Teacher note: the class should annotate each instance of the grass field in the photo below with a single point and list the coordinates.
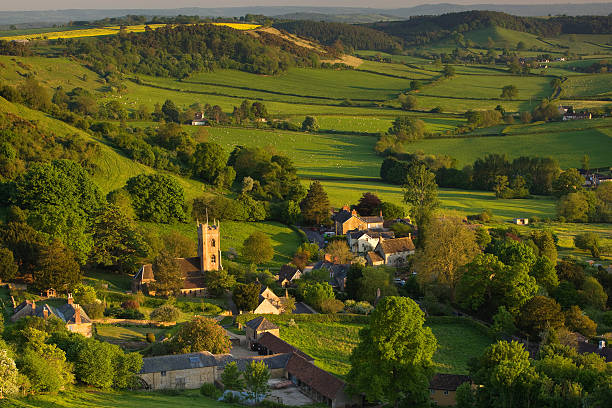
(126, 333)
(82, 397)
(331, 344)
(595, 86)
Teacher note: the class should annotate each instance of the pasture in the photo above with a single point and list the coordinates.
(79, 397)
(588, 86)
(331, 344)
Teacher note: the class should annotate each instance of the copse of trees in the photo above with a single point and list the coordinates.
(157, 198)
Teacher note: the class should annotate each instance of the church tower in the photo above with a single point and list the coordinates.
(209, 247)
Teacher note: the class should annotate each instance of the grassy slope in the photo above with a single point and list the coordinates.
(81, 397)
(332, 343)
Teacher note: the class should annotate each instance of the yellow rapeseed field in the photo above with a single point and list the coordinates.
(111, 30)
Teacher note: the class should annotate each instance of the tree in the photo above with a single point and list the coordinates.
(509, 92)
(570, 181)
(157, 198)
(415, 85)
(288, 304)
(545, 273)
(315, 293)
(539, 314)
(577, 321)
(246, 297)
(208, 162)
(555, 83)
(574, 207)
(56, 268)
(391, 211)
(339, 252)
(594, 293)
(219, 281)
(331, 306)
(9, 376)
(257, 248)
(310, 124)
(256, 376)
(375, 280)
(483, 238)
(84, 294)
(201, 334)
(406, 129)
(231, 377)
(178, 245)
(170, 111)
(421, 193)
(168, 276)
(588, 241)
(407, 102)
(546, 244)
(8, 267)
(165, 313)
(368, 204)
(393, 361)
(117, 242)
(315, 206)
(448, 246)
(501, 186)
(448, 71)
(503, 323)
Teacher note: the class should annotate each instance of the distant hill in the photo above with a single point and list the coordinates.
(339, 18)
(38, 18)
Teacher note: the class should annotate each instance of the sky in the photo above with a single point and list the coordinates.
(6, 5)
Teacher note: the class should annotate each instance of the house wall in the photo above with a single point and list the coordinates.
(375, 225)
(351, 224)
(343, 400)
(86, 329)
(442, 399)
(367, 244)
(397, 259)
(194, 378)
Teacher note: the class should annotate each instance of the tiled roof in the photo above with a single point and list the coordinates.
(277, 346)
(183, 362)
(396, 245)
(316, 378)
(372, 219)
(374, 257)
(448, 382)
(261, 323)
(287, 272)
(145, 273)
(188, 265)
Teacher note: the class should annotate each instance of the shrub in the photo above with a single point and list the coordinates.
(331, 306)
(165, 313)
(131, 304)
(150, 338)
(94, 310)
(210, 391)
(120, 313)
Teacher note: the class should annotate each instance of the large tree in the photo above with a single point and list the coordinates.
(8, 267)
(393, 361)
(9, 376)
(448, 246)
(157, 198)
(539, 314)
(168, 276)
(256, 377)
(257, 248)
(369, 204)
(315, 206)
(208, 162)
(57, 268)
(421, 193)
(375, 281)
(201, 334)
(246, 297)
(219, 281)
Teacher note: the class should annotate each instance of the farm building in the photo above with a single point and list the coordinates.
(443, 388)
(346, 220)
(391, 252)
(257, 327)
(521, 221)
(199, 119)
(288, 275)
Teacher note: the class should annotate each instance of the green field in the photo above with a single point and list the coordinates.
(126, 333)
(83, 397)
(331, 344)
(592, 86)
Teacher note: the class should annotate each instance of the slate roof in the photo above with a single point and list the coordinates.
(189, 268)
(145, 273)
(189, 265)
(65, 313)
(605, 352)
(183, 362)
(68, 311)
(372, 219)
(273, 361)
(448, 382)
(396, 245)
(287, 272)
(374, 257)
(277, 346)
(342, 216)
(261, 323)
(316, 378)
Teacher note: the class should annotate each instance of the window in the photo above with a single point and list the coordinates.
(445, 392)
(163, 373)
(213, 259)
(432, 392)
(212, 243)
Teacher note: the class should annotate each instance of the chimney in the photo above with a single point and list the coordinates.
(602, 344)
(380, 214)
(45, 313)
(77, 316)
(354, 212)
(346, 208)
(70, 299)
(328, 258)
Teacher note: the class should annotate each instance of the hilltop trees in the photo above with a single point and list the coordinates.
(393, 361)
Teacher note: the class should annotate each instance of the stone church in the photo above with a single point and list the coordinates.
(192, 269)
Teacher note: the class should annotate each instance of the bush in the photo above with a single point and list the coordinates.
(131, 304)
(165, 313)
(331, 306)
(210, 391)
(120, 313)
(94, 310)
(150, 338)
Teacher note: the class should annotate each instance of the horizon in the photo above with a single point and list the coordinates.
(42, 5)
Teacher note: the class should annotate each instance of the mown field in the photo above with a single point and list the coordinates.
(331, 344)
(82, 397)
